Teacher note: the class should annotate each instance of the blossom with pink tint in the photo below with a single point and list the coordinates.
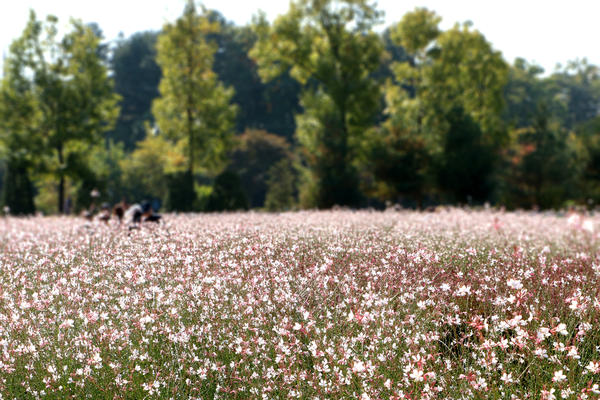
(559, 376)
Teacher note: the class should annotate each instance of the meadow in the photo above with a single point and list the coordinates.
(454, 304)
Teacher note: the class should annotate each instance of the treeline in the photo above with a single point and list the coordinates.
(313, 110)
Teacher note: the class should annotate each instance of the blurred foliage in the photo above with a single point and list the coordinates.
(281, 186)
(18, 188)
(194, 107)
(256, 153)
(136, 75)
(227, 193)
(329, 47)
(146, 169)
(65, 85)
(181, 193)
(315, 109)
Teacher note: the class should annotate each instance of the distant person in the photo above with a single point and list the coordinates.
(90, 212)
(104, 213)
(133, 214)
(68, 205)
(148, 213)
(119, 210)
(138, 213)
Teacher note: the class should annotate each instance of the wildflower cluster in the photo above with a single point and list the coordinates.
(394, 305)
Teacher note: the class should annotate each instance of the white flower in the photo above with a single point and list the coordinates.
(506, 378)
(358, 367)
(559, 376)
(562, 329)
(463, 291)
(67, 324)
(514, 284)
(588, 226)
(417, 375)
(593, 367)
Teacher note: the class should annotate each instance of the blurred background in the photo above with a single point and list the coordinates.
(308, 104)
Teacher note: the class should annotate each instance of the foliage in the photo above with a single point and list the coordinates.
(589, 140)
(400, 165)
(17, 191)
(266, 106)
(542, 170)
(281, 186)
(193, 107)
(443, 106)
(465, 166)
(145, 170)
(416, 115)
(68, 84)
(181, 194)
(330, 48)
(227, 193)
(523, 91)
(19, 143)
(136, 75)
(255, 154)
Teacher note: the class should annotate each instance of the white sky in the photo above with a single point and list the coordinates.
(541, 31)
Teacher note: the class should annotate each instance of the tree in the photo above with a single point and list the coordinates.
(447, 99)
(136, 76)
(18, 123)
(71, 91)
(589, 137)
(193, 106)
(267, 106)
(256, 153)
(524, 90)
(227, 193)
(281, 186)
(575, 92)
(464, 170)
(542, 166)
(150, 168)
(329, 47)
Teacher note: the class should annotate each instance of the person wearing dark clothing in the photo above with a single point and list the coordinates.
(149, 214)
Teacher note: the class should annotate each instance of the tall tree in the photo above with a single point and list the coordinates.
(136, 76)
(524, 90)
(256, 153)
(19, 119)
(193, 105)
(330, 48)
(542, 166)
(267, 106)
(452, 80)
(72, 92)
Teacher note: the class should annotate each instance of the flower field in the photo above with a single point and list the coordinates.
(311, 305)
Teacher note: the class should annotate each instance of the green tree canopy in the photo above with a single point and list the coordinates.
(193, 106)
(67, 83)
(136, 76)
(255, 154)
(445, 99)
(329, 47)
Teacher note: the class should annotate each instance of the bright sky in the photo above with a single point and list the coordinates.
(544, 32)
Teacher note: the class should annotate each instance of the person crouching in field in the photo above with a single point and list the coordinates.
(119, 210)
(138, 213)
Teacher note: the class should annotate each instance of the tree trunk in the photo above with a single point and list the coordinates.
(61, 182)
(190, 139)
